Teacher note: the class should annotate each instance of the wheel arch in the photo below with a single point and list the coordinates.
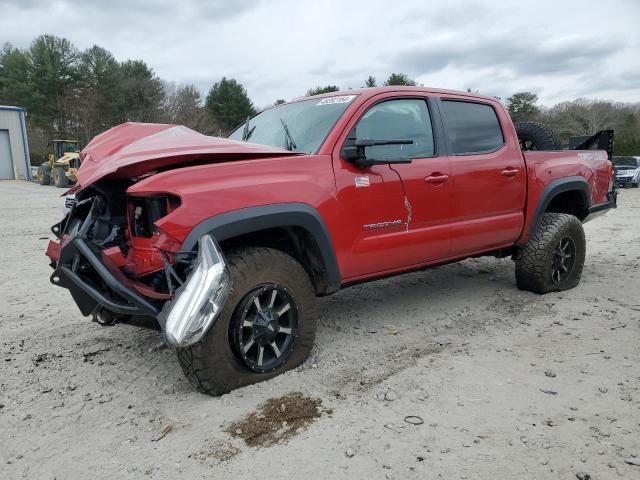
(295, 228)
(563, 195)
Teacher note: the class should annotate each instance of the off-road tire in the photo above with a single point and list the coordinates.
(534, 260)
(537, 136)
(211, 365)
(44, 174)
(634, 185)
(60, 177)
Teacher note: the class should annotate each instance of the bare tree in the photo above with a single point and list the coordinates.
(183, 106)
(82, 112)
(582, 116)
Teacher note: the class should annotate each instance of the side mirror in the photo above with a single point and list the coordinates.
(355, 151)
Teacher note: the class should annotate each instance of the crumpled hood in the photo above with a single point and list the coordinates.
(132, 149)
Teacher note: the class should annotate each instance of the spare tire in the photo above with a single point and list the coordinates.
(537, 136)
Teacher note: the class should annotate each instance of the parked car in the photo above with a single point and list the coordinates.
(627, 171)
(69, 202)
(224, 245)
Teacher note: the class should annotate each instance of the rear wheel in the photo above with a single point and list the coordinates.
(553, 258)
(44, 174)
(537, 136)
(266, 327)
(60, 179)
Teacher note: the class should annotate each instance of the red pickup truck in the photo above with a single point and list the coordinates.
(223, 244)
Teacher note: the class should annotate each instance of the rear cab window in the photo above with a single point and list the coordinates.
(471, 127)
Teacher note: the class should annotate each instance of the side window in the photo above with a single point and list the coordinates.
(471, 127)
(402, 119)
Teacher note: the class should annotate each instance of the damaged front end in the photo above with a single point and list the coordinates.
(121, 268)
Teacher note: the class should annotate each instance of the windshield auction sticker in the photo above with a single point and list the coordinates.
(337, 99)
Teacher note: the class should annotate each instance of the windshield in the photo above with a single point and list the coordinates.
(70, 147)
(299, 126)
(626, 161)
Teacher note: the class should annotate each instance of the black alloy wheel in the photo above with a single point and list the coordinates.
(265, 328)
(563, 260)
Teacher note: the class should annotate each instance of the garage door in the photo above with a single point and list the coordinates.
(6, 163)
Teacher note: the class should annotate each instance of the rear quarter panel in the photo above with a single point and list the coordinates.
(545, 167)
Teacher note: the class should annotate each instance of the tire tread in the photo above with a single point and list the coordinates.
(532, 260)
(542, 135)
(209, 366)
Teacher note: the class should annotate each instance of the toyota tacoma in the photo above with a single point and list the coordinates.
(223, 244)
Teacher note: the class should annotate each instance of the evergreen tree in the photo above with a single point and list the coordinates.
(229, 103)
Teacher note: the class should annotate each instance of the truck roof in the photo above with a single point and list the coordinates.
(372, 91)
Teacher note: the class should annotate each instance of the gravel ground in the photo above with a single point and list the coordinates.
(447, 373)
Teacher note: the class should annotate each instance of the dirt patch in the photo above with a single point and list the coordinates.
(217, 452)
(277, 420)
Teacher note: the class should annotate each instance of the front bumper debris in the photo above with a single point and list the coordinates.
(114, 295)
(198, 302)
(97, 285)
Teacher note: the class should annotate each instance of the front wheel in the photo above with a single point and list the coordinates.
(266, 327)
(553, 259)
(60, 179)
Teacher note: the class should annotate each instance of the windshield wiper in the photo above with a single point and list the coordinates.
(290, 144)
(247, 132)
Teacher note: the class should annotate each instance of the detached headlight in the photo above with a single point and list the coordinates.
(198, 302)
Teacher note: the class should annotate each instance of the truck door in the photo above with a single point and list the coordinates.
(426, 180)
(382, 208)
(372, 209)
(488, 187)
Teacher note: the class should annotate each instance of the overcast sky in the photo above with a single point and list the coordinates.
(559, 49)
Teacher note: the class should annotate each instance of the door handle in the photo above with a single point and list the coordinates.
(436, 178)
(509, 172)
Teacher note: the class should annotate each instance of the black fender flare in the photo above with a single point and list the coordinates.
(555, 188)
(254, 219)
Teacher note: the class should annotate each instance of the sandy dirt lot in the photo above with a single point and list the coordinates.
(446, 373)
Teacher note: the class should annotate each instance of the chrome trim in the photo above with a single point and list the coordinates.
(197, 303)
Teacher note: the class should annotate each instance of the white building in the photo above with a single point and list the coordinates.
(14, 150)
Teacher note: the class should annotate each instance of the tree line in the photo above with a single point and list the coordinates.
(69, 92)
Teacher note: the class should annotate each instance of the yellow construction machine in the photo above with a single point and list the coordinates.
(62, 164)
